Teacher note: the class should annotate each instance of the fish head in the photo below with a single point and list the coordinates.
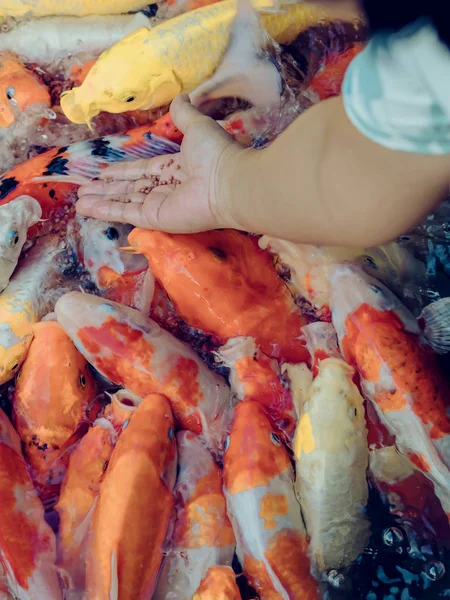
(254, 453)
(19, 88)
(126, 77)
(101, 243)
(16, 218)
(353, 290)
(15, 338)
(55, 387)
(123, 404)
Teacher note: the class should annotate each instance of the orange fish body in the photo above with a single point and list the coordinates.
(54, 397)
(378, 336)
(79, 492)
(131, 350)
(327, 82)
(220, 282)
(254, 376)
(19, 87)
(27, 544)
(65, 168)
(134, 507)
(203, 536)
(219, 584)
(259, 489)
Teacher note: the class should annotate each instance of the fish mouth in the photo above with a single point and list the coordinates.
(77, 112)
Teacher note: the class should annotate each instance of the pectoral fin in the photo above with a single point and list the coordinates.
(247, 70)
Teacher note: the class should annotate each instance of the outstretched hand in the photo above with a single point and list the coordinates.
(178, 193)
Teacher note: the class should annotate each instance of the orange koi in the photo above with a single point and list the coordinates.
(332, 457)
(53, 402)
(79, 492)
(129, 528)
(254, 376)
(20, 88)
(78, 73)
(219, 584)
(203, 536)
(327, 82)
(259, 489)
(399, 375)
(132, 350)
(221, 283)
(27, 544)
(52, 178)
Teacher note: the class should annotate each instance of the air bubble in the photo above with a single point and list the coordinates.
(393, 536)
(335, 578)
(434, 570)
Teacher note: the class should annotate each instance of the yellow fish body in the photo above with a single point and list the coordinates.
(148, 68)
(75, 8)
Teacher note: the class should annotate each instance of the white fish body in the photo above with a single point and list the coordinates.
(16, 218)
(51, 39)
(332, 457)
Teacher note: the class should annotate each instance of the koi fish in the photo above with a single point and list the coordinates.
(219, 584)
(380, 338)
(145, 71)
(129, 528)
(27, 544)
(306, 267)
(132, 350)
(30, 295)
(300, 380)
(202, 536)
(54, 398)
(19, 87)
(122, 406)
(256, 377)
(82, 8)
(15, 220)
(332, 456)
(221, 283)
(79, 492)
(327, 82)
(259, 490)
(52, 178)
(121, 276)
(51, 39)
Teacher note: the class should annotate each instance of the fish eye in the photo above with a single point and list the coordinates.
(82, 381)
(377, 289)
(15, 366)
(10, 92)
(217, 253)
(368, 260)
(130, 99)
(13, 238)
(171, 434)
(404, 238)
(112, 233)
(275, 439)
(226, 444)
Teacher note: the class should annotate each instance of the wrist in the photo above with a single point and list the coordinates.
(233, 188)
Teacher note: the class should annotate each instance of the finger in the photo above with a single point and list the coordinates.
(137, 169)
(184, 114)
(137, 214)
(92, 206)
(116, 188)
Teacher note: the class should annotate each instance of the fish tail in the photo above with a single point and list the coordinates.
(435, 323)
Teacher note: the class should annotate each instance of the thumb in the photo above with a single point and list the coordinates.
(184, 115)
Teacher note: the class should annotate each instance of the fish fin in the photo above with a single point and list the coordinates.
(435, 321)
(81, 162)
(246, 70)
(146, 293)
